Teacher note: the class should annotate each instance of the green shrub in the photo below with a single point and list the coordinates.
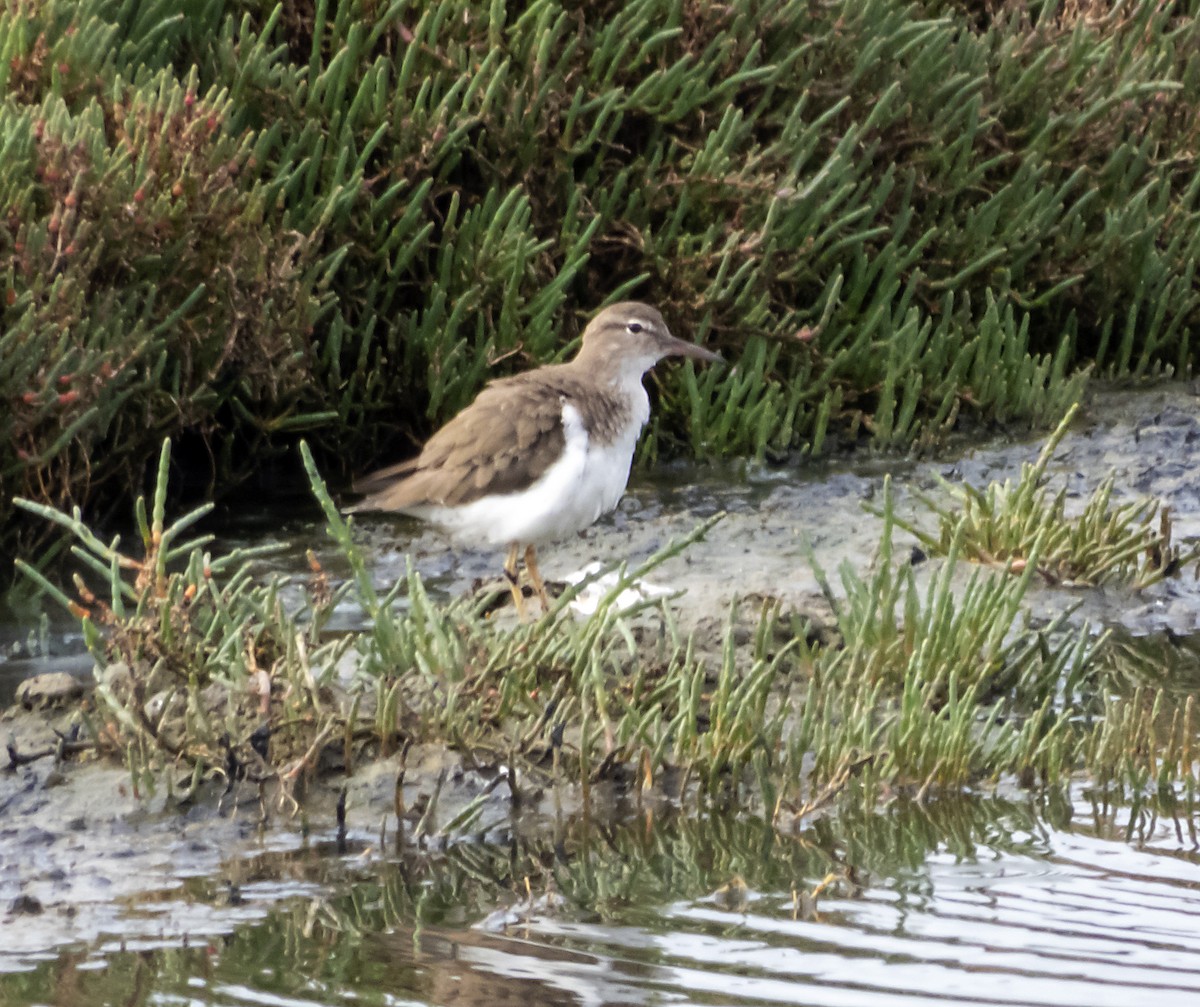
(891, 217)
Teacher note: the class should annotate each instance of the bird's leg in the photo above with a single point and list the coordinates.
(535, 575)
(514, 581)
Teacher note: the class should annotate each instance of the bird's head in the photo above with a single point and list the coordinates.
(635, 335)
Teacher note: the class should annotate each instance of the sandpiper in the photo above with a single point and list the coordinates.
(540, 455)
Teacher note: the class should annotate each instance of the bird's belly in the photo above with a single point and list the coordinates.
(605, 476)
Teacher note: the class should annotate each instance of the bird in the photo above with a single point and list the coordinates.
(539, 455)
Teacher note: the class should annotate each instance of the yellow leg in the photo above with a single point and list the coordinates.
(535, 575)
(510, 571)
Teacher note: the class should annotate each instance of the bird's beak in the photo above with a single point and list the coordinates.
(682, 348)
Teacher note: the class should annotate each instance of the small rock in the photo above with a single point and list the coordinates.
(55, 688)
(25, 905)
(117, 676)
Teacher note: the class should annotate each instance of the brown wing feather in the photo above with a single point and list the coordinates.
(500, 443)
(381, 479)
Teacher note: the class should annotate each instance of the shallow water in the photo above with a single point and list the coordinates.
(965, 901)
(972, 900)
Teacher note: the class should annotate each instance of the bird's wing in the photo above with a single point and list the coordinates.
(381, 479)
(501, 443)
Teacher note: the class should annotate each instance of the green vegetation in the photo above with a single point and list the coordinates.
(229, 222)
(928, 686)
(1012, 525)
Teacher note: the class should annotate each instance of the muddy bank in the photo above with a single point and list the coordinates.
(84, 857)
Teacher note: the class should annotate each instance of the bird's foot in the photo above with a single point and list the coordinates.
(535, 578)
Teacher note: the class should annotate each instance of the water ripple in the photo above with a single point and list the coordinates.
(1098, 923)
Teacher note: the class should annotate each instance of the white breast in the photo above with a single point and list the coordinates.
(586, 482)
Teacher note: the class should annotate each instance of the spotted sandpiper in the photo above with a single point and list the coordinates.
(540, 455)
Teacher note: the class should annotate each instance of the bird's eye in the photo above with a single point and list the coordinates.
(635, 327)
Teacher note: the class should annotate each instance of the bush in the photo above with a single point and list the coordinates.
(239, 220)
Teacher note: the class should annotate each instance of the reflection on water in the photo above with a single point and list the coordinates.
(964, 901)
(1163, 660)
